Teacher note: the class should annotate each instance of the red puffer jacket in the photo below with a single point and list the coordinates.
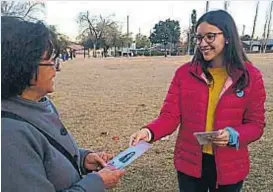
(186, 104)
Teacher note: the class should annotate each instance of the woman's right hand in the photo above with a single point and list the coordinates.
(110, 176)
(143, 134)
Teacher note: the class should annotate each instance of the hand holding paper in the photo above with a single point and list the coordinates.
(205, 137)
(129, 155)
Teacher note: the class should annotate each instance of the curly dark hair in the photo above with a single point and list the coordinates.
(22, 45)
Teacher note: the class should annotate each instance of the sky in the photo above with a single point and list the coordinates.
(143, 15)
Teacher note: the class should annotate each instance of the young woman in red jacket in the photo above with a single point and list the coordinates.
(219, 90)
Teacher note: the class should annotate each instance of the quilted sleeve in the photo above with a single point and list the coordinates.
(254, 117)
(169, 117)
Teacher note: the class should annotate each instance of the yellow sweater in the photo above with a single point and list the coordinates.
(219, 76)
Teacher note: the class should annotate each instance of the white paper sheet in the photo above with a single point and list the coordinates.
(126, 157)
(202, 137)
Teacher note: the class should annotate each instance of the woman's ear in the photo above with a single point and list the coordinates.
(226, 41)
(34, 79)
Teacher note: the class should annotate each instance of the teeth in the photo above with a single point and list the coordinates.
(206, 50)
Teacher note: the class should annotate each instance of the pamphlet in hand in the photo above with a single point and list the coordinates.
(126, 157)
(203, 137)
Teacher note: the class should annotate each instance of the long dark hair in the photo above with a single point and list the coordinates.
(23, 44)
(234, 55)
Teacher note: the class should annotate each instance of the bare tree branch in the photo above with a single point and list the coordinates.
(25, 10)
(94, 25)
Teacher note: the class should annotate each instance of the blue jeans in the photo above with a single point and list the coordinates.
(207, 182)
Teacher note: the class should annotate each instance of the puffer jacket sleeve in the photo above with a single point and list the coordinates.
(254, 117)
(169, 118)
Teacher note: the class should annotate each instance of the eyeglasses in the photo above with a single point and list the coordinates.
(48, 65)
(209, 37)
(50, 62)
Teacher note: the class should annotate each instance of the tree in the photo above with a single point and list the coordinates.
(142, 41)
(226, 5)
(110, 37)
(175, 31)
(59, 40)
(266, 28)
(269, 24)
(27, 9)
(254, 24)
(93, 27)
(165, 32)
(192, 32)
(125, 40)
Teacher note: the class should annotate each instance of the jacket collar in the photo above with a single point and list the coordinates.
(196, 70)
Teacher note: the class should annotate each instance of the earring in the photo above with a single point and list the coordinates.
(226, 42)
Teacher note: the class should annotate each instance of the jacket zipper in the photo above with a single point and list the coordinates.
(214, 147)
(205, 119)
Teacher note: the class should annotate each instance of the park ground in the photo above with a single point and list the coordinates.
(103, 101)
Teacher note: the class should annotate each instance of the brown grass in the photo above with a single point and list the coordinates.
(119, 95)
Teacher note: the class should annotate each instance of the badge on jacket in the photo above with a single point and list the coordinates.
(240, 93)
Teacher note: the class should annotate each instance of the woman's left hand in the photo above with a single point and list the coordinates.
(222, 139)
(96, 161)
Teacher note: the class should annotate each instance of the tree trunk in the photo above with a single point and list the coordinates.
(268, 25)
(207, 6)
(115, 51)
(264, 32)
(254, 24)
(94, 50)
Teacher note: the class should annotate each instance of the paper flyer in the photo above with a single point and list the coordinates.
(126, 157)
(202, 137)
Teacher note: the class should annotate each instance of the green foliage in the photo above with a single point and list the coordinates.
(153, 53)
(166, 32)
(192, 31)
(60, 40)
(142, 41)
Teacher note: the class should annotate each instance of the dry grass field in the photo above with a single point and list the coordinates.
(119, 95)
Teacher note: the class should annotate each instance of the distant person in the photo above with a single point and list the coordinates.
(38, 153)
(71, 54)
(58, 63)
(63, 55)
(219, 90)
(74, 53)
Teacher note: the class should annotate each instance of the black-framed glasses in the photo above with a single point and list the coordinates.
(50, 61)
(52, 56)
(209, 37)
(48, 65)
